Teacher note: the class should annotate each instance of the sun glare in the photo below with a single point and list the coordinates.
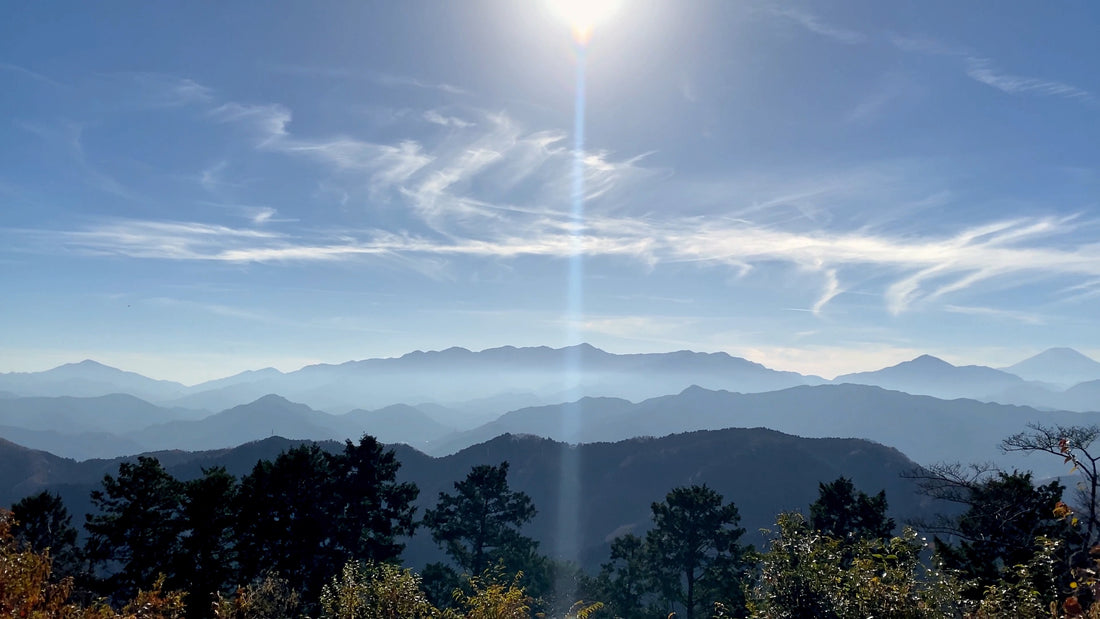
(583, 15)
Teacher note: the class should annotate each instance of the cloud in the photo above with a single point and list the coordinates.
(34, 75)
(495, 190)
(992, 312)
(982, 70)
(436, 118)
(816, 25)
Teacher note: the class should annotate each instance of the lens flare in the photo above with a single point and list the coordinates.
(583, 15)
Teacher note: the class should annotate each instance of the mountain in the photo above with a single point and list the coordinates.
(1084, 396)
(115, 413)
(88, 379)
(458, 375)
(268, 416)
(1061, 366)
(76, 445)
(928, 375)
(927, 429)
(399, 423)
(612, 484)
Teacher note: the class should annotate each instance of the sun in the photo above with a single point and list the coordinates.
(583, 15)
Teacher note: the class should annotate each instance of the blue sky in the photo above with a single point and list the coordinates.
(188, 190)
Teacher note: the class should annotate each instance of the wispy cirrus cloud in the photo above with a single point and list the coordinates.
(982, 70)
(28, 73)
(993, 312)
(459, 187)
(816, 25)
(924, 269)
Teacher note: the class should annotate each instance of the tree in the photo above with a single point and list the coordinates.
(45, 524)
(209, 551)
(694, 548)
(286, 520)
(375, 591)
(846, 514)
(480, 524)
(1074, 445)
(135, 535)
(624, 582)
(806, 573)
(1004, 518)
(374, 508)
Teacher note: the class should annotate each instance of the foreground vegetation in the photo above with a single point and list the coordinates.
(317, 534)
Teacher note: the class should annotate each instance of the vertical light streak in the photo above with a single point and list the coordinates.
(569, 493)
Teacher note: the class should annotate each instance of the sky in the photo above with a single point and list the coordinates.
(189, 190)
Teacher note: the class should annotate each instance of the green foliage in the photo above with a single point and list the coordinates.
(375, 591)
(493, 597)
(136, 532)
(842, 512)
(694, 554)
(479, 525)
(805, 573)
(307, 513)
(1006, 514)
(268, 597)
(625, 583)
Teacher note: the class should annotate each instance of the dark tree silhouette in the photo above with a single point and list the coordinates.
(479, 525)
(209, 550)
(135, 536)
(374, 510)
(844, 513)
(45, 524)
(694, 548)
(1004, 515)
(286, 518)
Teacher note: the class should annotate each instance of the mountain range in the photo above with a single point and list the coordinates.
(761, 471)
(475, 387)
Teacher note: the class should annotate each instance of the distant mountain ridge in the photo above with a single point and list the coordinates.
(1061, 366)
(761, 471)
(927, 429)
(453, 375)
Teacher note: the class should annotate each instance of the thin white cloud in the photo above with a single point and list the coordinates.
(401, 80)
(993, 312)
(982, 70)
(458, 189)
(437, 118)
(815, 24)
(34, 75)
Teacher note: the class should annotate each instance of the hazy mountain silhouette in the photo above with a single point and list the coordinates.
(117, 413)
(762, 471)
(928, 375)
(1061, 366)
(459, 378)
(88, 379)
(270, 415)
(926, 428)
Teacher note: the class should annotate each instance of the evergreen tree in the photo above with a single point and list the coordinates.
(479, 525)
(208, 564)
(625, 582)
(844, 513)
(45, 524)
(286, 520)
(694, 550)
(135, 535)
(374, 510)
